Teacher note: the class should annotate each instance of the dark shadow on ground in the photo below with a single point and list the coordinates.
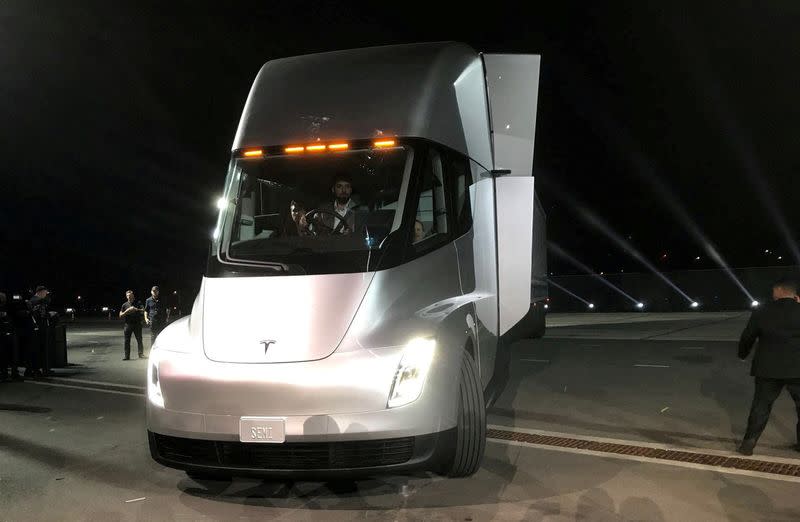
(24, 408)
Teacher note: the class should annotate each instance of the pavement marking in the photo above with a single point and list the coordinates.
(99, 383)
(693, 347)
(135, 500)
(101, 390)
(721, 461)
(651, 365)
(536, 360)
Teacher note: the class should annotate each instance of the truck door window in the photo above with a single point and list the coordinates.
(431, 226)
(459, 173)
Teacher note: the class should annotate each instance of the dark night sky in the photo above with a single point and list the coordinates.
(117, 124)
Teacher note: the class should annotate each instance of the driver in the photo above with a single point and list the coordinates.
(341, 206)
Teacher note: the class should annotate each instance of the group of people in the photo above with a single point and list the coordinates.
(331, 217)
(26, 334)
(154, 314)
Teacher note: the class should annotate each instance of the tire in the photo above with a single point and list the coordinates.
(471, 426)
(539, 323)
(206, 476)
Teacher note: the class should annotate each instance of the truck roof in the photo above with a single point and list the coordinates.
(435, 91)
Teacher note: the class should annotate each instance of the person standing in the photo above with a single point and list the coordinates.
(8, 359)
(131, 311)
(155, 315)
(39, 351)
(776, 363)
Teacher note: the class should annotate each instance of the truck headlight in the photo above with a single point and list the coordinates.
(153, 381)
(411, 372)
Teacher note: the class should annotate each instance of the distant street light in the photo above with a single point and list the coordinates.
(591, 306)
(639, 305)
(695, 304)
(754, 304)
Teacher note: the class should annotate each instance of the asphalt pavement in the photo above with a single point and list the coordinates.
(75, 448)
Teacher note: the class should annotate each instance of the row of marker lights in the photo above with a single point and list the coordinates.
(640, 306)
(255, 153)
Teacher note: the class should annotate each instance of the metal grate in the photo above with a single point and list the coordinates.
(776, 468)
(289, 455)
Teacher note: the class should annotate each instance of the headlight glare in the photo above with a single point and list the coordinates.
(411, 372)
(153, 382)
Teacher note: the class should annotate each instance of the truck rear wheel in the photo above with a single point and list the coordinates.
(539, 323)
(471, 427)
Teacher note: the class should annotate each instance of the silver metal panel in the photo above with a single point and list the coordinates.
(513, 86)
(279, 319)
(429, 90)
(484, 265)
(342, 396)
(514, 246)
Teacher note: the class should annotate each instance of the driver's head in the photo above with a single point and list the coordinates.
(342, 188)
(298, 212)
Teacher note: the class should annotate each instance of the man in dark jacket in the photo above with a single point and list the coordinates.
(131, 312)
(776, 362)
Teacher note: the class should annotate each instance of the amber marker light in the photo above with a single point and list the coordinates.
(338, 146)
(292, 150)
(384, 143)
(315, 148)
(253, 153)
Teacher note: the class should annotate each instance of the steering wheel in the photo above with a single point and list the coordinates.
(312, 214)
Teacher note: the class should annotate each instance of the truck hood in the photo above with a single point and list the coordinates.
(279, 319)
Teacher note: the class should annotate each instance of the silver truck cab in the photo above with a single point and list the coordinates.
(371, 255)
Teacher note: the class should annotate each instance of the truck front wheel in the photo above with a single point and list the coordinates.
(471, 427)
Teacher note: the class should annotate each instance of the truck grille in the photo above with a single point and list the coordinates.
(286, 456)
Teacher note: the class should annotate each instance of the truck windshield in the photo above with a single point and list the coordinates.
(312, 213)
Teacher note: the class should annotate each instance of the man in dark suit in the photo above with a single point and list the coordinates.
(336, 217)
(776, 362)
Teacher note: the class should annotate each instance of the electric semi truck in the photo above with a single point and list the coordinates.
(371, 263)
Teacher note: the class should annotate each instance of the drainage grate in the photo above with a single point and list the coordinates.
(776, 468)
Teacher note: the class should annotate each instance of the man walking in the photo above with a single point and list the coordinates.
(776, 362)
(155, 315)
(131, 311)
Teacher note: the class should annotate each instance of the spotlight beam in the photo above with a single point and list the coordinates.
(572, 260)
(741, 144)
(579, 298)
(643, 166)
(596, 222)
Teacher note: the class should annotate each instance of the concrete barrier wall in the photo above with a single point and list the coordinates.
(713, 289)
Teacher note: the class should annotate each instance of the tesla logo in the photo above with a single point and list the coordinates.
(266, 345)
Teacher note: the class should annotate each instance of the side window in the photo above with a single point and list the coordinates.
(431, 225)
(461, 177)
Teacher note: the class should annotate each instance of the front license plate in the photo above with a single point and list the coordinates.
(262, 429)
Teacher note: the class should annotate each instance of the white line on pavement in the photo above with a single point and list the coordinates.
(643, 444)
(651, 366)
(715, 469)
(629, 442)
(115, 392)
